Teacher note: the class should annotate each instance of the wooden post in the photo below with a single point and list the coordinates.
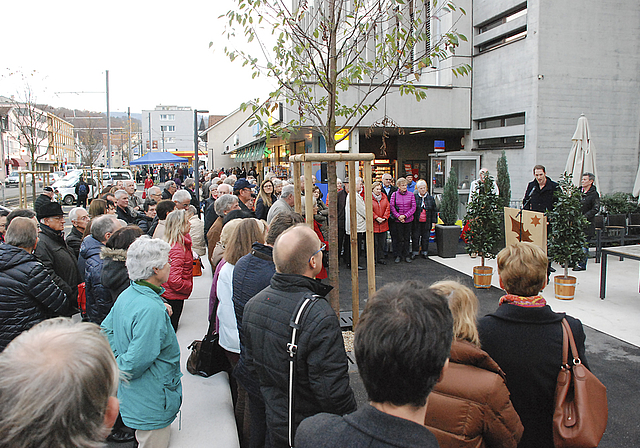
(353, 229)
(295, 175)
(368, 200)
(308, 194)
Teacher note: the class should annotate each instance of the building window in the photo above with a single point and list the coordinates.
(516, 142)
(504, 40)
(506, 18)
(168, 128)
(511, 32)
(168, 117)
(499, 122)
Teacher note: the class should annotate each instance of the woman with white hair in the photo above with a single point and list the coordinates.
(424, 217)
(180, 283)
(145, 346)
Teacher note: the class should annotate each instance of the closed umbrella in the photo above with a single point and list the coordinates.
(636, 185)
(582, 158)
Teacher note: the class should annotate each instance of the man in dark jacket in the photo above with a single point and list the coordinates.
(53, 252)
(251, 274)
(590, 203)
(44, 198)
(402, 345)
(99, 301)
(29, 293)
(321, 372)
(82, 192)
(539, 194)
(122, 207)
(169, 188)
(79, 220)
(243, 189)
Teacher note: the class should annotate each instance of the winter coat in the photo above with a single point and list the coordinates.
(403, 204)
(540, 199)
(527, 344)
(99, 300)
(427, 203)
(251, 275)
(115, 276)
(213, 236)
(29, 294)
(262, 209)
(278, 207)
(210, 215)
(126, 215)
(381, 209)
(197, 236)
(342, 203)
(590, 203)
(144, 222)
(53, 252)
(180, 283)
(361, 215)
(227, 325)
(146, 348)
(365, 428)
(322, 378)
(74, 241)
(159, 231)
(322, 217)
(470, 406)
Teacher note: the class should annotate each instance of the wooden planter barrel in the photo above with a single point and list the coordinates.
(564, 287)
(482, 276)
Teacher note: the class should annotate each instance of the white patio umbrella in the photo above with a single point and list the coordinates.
(636, 185)
(582, 158)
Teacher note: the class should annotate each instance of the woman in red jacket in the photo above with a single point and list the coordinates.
(470, 406)
(180, 283)
(381, 212)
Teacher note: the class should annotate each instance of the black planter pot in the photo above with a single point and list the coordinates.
(447, 240)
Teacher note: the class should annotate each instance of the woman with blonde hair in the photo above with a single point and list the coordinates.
(239, 243)
(470, 406)
(266, 198)
(180, 284)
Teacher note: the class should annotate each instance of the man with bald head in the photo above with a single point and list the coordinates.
(321, 374)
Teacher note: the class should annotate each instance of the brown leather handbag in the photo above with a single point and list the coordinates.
(581, 411)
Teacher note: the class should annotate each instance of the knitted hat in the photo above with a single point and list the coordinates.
(50, 209)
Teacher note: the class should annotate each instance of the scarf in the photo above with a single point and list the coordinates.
(526, 302)
(377, 197)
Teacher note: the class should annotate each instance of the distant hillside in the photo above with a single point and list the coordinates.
(118, 119)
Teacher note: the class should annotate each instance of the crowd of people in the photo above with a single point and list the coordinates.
(127, 266)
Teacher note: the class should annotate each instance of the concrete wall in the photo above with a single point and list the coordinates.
(590, 59)
(183, 135)
(221, 132)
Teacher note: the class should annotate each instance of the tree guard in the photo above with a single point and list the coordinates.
(351, 159)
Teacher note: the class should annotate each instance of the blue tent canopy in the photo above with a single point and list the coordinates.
(151, 158)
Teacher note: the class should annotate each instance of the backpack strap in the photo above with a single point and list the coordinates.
(298, 316)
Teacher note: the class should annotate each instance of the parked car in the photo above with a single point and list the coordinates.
(111, 176)
(12, 179)
(67, 188)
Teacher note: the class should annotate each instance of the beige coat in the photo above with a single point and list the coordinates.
(198, 243)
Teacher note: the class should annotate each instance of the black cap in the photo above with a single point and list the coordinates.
(50, 209)
(241, 184)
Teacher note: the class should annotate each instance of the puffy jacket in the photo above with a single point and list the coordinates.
(403, 204)
(29, 294)
(427, 203)
(53, 252)
(381, 210)
(146, 348)
(322, 378)
(251, 275)
(115, 276)
(145, 222)
(361, 215)
(180, 283)
(198, 243)
(470, 406)
(99, 299)
(227, 326)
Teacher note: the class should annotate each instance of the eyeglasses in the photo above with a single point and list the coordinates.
(318, 251)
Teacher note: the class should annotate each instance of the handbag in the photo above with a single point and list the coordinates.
(581, 412)
(197, 267)
(207, 357)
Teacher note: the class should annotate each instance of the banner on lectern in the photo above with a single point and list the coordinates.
(532, 227)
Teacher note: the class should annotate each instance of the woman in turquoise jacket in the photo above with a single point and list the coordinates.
(146, 348)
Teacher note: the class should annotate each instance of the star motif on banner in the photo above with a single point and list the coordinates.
(535, 221)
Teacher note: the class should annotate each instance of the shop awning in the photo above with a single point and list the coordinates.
(253, 153)
(16, 163)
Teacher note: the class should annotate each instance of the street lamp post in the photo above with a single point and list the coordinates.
(196, 170)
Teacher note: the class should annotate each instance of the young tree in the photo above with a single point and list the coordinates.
(90, 140)
(334, 61)
(504, 180)
(567, 239)
(484, 214)
(449, 203)
(30, 119)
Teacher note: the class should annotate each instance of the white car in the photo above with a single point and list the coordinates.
(67, 187)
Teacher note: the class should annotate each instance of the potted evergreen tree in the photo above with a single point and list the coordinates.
(567, 239)
(503, 180)
(484, 218)
(448, 233)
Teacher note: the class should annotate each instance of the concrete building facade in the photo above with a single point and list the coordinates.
(537, 66)
(171, 129)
